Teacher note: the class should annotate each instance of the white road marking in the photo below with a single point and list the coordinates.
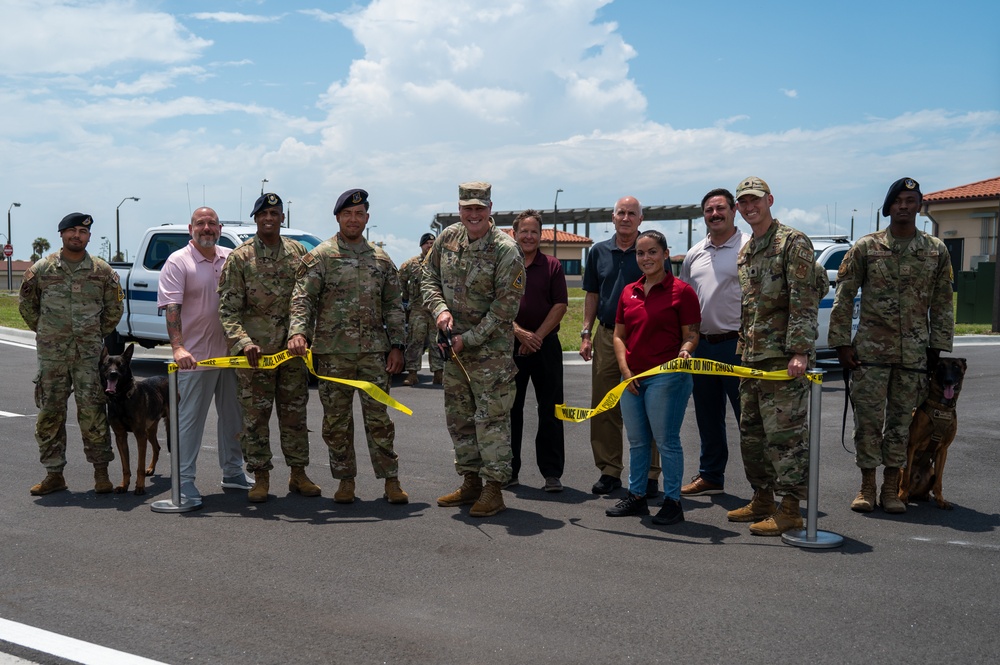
(960, 543)
(73, 650)
(8, 414)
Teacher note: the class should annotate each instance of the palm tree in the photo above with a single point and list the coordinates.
(39, 246)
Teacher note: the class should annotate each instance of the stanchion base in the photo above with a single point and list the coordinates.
(823, 540)
(168, 506)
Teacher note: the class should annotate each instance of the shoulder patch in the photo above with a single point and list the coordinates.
(518, 282)
(309, 259)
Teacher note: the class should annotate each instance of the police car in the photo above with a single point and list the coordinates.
(830, 251)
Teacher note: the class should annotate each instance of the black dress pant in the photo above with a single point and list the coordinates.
(544, 369)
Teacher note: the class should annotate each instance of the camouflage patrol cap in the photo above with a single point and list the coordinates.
(266, 202)
(474, 193)
(752, 185)
(351, 197)
(903, 184)
(75, 219)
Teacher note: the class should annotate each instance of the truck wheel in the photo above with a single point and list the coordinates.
(115, 344)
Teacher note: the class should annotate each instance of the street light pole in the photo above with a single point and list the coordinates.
(288, 220)
(555, 226)
(10, 277)
(118, 233)
(263, 180)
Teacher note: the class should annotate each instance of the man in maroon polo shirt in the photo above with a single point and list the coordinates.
(538, 353)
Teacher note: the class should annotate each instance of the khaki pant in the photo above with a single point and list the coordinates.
(606, 428)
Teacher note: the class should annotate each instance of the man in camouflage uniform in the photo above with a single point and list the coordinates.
(347, 291)
(906, 321)
(472, 285)
(422, 328)
(255, 292)
(71, 300)
(777, 271)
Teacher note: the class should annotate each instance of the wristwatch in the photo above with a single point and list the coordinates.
(584, 333)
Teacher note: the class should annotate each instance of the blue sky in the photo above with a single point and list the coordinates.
(183, 103)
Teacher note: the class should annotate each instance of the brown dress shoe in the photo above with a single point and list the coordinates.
(701, 487)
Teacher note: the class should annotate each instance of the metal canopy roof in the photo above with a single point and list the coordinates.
(577, 216)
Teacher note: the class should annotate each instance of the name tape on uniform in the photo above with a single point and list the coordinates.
(689, 365)
(272, 361)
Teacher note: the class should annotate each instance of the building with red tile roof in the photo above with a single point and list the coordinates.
(966, 218)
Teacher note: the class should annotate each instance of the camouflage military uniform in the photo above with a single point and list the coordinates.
(71, 308)
(352, 300)
(255, 292)
(780, 302)
(422, 332)
(480, 283)
(906, 307)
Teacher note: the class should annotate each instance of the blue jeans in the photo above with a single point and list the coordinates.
(656, 413)
(710, 395)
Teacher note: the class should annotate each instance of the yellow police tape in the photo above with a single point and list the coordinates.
(689, 365)
(272, 361)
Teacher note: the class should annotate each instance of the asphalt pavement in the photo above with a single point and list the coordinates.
(551, 580)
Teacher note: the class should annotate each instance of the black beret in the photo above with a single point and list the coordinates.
(424, 238)
(75, 219)
(351, 197)
(265, 202)
(902, 184)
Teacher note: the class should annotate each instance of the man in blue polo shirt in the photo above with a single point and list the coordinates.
(610, 266)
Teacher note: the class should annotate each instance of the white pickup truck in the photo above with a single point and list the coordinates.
(830, 251)
(142, 322)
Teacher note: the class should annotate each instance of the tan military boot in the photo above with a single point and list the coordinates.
(469, 492)
(102, 484)
(394, 493)
(262, 482)
(345, 493)
(760, 507)
(438, 377)
(490, 501)
(864, 502)
(788, 518)
(53, 482)
(299, 482)
(412, 379)
(889, 496)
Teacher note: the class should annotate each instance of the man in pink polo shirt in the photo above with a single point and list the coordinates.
(188, 290)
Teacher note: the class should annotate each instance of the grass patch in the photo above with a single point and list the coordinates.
(9, 316)
(572, 323)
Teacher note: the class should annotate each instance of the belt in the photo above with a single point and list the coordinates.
(609, 326)
(720, 337)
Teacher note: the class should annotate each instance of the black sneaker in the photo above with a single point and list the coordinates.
(670, 513)
(630, 505)
(652, 488)
(606, 484)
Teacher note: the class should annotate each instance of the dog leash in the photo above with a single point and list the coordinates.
(850, 400)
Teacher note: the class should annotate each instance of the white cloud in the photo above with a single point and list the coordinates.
(43, 37)
(789, 93)
(234, 17)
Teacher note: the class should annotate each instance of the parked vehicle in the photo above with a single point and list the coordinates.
(830, 252)
(142, 322)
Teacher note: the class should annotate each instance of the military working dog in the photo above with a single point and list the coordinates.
(134, 405)
(931, 432)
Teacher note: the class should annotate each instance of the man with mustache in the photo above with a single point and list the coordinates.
(710, 268)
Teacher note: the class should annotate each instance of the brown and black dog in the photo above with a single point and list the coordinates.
(134, 405)
(931, 432)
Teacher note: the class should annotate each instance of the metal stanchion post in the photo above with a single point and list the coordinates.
(810, 537)
(176, 504)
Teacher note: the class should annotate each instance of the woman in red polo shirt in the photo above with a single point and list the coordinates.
(658, 320)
